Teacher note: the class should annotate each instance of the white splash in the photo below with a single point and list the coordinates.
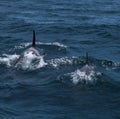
(27, 62)
(60, 61)
(42, 63)
(81, 76)
(8, 59)
(31, 62)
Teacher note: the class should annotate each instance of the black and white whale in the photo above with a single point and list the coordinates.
(87, 69)
(32, 51)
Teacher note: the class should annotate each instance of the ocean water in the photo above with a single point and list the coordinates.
(54, 86)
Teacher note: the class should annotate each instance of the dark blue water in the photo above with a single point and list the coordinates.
(66, 30)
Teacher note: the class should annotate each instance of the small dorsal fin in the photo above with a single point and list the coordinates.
(87, 60)
(34, 39)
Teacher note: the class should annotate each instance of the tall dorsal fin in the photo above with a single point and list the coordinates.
(87, 60)
(34, 39)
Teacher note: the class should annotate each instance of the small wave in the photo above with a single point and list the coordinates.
(23, 45)
(106, 64)
(109, 65)
(8, 111)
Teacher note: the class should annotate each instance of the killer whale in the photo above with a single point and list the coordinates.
(87, 68)
(33, 50)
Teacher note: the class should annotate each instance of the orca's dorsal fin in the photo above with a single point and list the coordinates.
(34, 39)
(87, 60)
